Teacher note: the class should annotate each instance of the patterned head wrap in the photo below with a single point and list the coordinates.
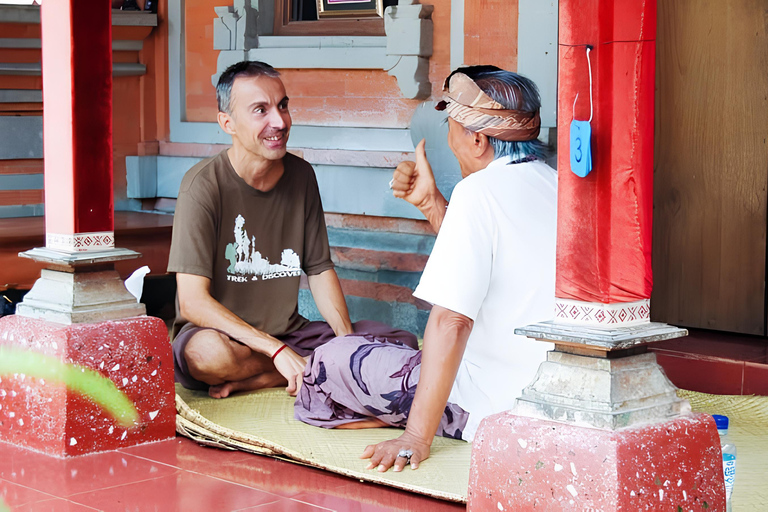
(472, 108)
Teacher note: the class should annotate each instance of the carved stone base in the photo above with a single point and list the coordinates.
(79, 297)
(79, 288)
(600, 392)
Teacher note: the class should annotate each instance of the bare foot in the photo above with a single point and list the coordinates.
(369, 423)
(260, 381)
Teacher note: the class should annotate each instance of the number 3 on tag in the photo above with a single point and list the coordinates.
(581, 148)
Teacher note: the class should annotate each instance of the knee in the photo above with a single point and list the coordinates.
(206, 356)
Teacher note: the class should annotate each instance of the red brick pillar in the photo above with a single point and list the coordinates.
(77, 124)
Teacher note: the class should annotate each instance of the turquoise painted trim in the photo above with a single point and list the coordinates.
(33, 69)
(362, 191)
(21, 96)
(537, 52)
(340, 186)
(170, 172)
(141, 176)
(128, 205)
(22, 137)
(457, 33)
(381, 240)
(26, 210)
(406, 279)
(21, 181)
(399, 315)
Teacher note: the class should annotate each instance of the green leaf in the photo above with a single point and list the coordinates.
(84, 381)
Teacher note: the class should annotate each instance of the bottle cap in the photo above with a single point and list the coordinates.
(721, 421)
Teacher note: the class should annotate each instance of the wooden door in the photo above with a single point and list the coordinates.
(711, 169)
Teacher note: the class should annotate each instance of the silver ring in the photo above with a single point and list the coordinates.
(391, 182)
(406, 454)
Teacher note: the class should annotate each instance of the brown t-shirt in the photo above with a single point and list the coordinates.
(251, 244)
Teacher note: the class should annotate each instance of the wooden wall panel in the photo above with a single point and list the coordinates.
(709, 254)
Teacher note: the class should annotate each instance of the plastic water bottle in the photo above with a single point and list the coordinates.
(729, 458)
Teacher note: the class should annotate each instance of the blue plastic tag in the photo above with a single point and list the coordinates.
(581, 148)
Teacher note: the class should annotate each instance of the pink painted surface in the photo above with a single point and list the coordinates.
(57, 117)
(604, 219)
(522, 463)
(45, 416)
(77, 119)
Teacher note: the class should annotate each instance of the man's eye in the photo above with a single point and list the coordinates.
(258, 110)
(284, 106)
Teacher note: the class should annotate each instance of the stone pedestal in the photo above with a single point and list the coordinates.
(46, 416)
(527, 464)
(79, 287)
(600, 428)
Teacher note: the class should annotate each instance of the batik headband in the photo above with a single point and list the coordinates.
(468, 105)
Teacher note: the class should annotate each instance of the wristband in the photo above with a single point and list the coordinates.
(277, 352)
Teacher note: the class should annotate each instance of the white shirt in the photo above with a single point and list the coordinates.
(494, 262)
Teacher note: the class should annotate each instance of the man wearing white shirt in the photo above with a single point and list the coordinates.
(492, 269)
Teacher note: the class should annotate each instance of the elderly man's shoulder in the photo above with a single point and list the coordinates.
(501, 176)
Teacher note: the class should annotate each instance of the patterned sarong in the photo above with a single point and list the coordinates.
(358, 377)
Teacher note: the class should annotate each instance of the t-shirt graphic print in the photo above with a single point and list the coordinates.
(245, 260)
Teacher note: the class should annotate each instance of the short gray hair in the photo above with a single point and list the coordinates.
(246, 68)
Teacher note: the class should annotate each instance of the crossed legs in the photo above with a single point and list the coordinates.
(228, 366)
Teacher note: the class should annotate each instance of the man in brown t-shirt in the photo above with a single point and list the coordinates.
(247, 222)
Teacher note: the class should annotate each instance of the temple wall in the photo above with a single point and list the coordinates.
(354, 118)
(21, 107)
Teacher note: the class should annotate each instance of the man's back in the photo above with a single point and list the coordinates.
(497, 242)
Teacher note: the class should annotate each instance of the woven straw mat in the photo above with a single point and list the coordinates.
(262, 422)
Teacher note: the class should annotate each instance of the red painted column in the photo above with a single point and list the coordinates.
(77, 124)
(604, 219)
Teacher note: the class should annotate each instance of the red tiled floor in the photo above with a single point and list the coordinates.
(180, 475)
(375, 498)
(240, 467)
(64, 477)
(286, 505)
(53, 505)
(755, 379)
(737, 347)
(183, 491)
(706, 375)
(16, 495)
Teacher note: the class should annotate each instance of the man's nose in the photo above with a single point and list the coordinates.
(276, 120)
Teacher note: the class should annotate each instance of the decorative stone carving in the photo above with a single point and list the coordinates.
(235, 27)
(404, 53)
(408, 26)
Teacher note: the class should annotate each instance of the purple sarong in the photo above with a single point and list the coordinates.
(302, 341)
(358, 377)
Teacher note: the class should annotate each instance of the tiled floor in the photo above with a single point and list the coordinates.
(715, 362)
(179, 475)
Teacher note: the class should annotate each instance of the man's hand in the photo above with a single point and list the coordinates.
(414, 182)
(291, 366)
(384, 455)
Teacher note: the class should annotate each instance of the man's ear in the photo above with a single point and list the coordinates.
(480, 144)
(226, 122)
